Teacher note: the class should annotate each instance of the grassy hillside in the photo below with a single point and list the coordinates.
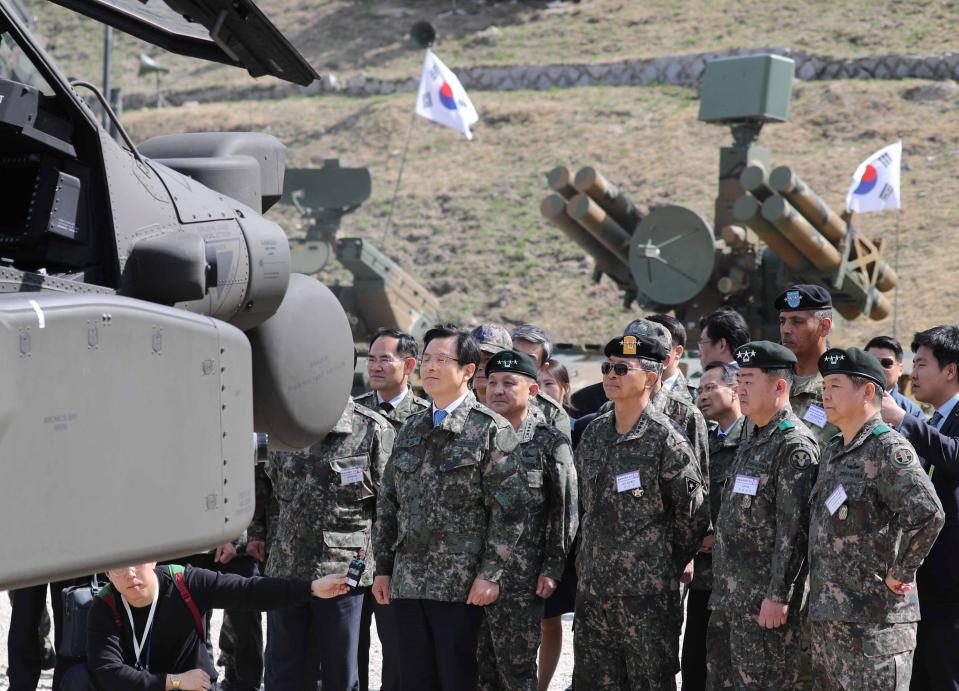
(345, 37)
(467, 222)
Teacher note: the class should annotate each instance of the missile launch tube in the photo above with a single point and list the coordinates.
(560, 180)
(609, 197)
(746, 210)
(754, 180)
(553, 209)
(801, 234)
(600, 224)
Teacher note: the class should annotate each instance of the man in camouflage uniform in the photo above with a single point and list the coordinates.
(644, 517)
(536, 343)
(759, 556)
(510, 633)
(451, 508)
(805, 320)
(391, 361)
(720, 405)
(674, 380)
(875, 516)
(325, 499)
(492, 338)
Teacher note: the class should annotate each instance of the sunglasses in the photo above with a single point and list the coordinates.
(886, 362)
(621, 369)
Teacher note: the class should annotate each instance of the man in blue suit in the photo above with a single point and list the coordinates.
(888, 351)
(935, 380)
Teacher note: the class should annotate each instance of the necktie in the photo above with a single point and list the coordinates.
(386, 407)
(438, 417)
(936, 419)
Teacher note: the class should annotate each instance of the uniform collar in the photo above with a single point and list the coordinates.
(867, 430)
(534, 418)
(395, 402)
(731, 436)
(806, 384)
(767, 430)
(457, 412)
(637, 430)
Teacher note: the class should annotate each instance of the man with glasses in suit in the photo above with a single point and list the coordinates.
(888, 351)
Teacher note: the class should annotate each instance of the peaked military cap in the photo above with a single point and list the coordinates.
(765, 355)
(804, 296)
(648, 329)
(492, 338)
(512, 361)
(854, 362)
(641, 346)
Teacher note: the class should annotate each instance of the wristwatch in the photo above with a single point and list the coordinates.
(175, 678)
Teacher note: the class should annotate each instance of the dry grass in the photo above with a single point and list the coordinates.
(349, 36)
(467, 224)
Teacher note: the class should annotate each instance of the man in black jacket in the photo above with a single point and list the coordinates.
(143, 633)
(935, 380)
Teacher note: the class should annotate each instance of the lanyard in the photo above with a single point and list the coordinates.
(138, 645)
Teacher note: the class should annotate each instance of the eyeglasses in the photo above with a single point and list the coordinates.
(438, 360)
(886, 362)
(620, 368)
(704, 341)
(385, 361)
(709, 388)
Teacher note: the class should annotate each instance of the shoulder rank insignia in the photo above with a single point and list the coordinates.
(903, 456)
(786, 424)
(881, 429)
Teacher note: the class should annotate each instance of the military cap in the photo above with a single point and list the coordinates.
(854, 362)
(765, 355)
(648, 329)
(802, 297)
(492, 338)
(641, 346)
(512, 361)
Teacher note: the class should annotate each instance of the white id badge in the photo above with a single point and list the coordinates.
(836, 499)
(628, 481)
(351, 476)
(816, 415)
(746, 484)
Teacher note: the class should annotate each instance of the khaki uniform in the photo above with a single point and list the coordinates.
(760, 552)
(452, 505)
(873, 510)
(644, 517)
(510, 633)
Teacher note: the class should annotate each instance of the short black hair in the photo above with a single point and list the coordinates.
(942, 340)
(726, 323)
(675, 328)
(886, 343)
(730, 370)
(405, 343)
(467, 348)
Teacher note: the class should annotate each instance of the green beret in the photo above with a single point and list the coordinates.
(512, 361)
(648, 329)
(854, 362)
(803, 297)
(765, 355)
(640, 346)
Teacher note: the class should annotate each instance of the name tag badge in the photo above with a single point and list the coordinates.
(351, 476)
(816, 415)
(746, 484)
(628, 481)
(836, 499)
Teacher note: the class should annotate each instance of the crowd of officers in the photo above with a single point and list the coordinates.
(795, 512)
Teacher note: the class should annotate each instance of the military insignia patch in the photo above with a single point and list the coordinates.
(800, 458)
(903, 456)
(747, 501)
(691, 486)
(843, 512)
(629, 345)
(793, 298)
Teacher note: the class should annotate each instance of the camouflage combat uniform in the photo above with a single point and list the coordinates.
(863, 634)
(410, 404)
(683, 389)
(633, 547)
(806, 393)
(452, 505)
(554, 413)
(690, 421)
(510, 633)
(760, 552)
(324, 496)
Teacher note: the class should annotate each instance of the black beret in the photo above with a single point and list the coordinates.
(512, 361)
(804, 297)
(854, 362)
(638, 346)
(765, 355)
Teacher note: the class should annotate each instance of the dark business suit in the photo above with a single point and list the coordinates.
(936, 663)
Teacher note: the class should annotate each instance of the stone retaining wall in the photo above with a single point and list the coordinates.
(678, 70)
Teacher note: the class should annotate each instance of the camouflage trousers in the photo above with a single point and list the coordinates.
(626, 643)
(509, 638)
(866, 657)
(740, 655)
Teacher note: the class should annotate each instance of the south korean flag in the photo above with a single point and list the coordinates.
(875, 185)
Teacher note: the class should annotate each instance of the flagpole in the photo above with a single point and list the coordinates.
(895, 298)
(399, 178)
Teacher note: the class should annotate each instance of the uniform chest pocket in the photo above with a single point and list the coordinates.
(753, 494)
(406, 458)
(351, 479)
(635, 488)
(852, 512)
(459, 476)
(289, 473)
